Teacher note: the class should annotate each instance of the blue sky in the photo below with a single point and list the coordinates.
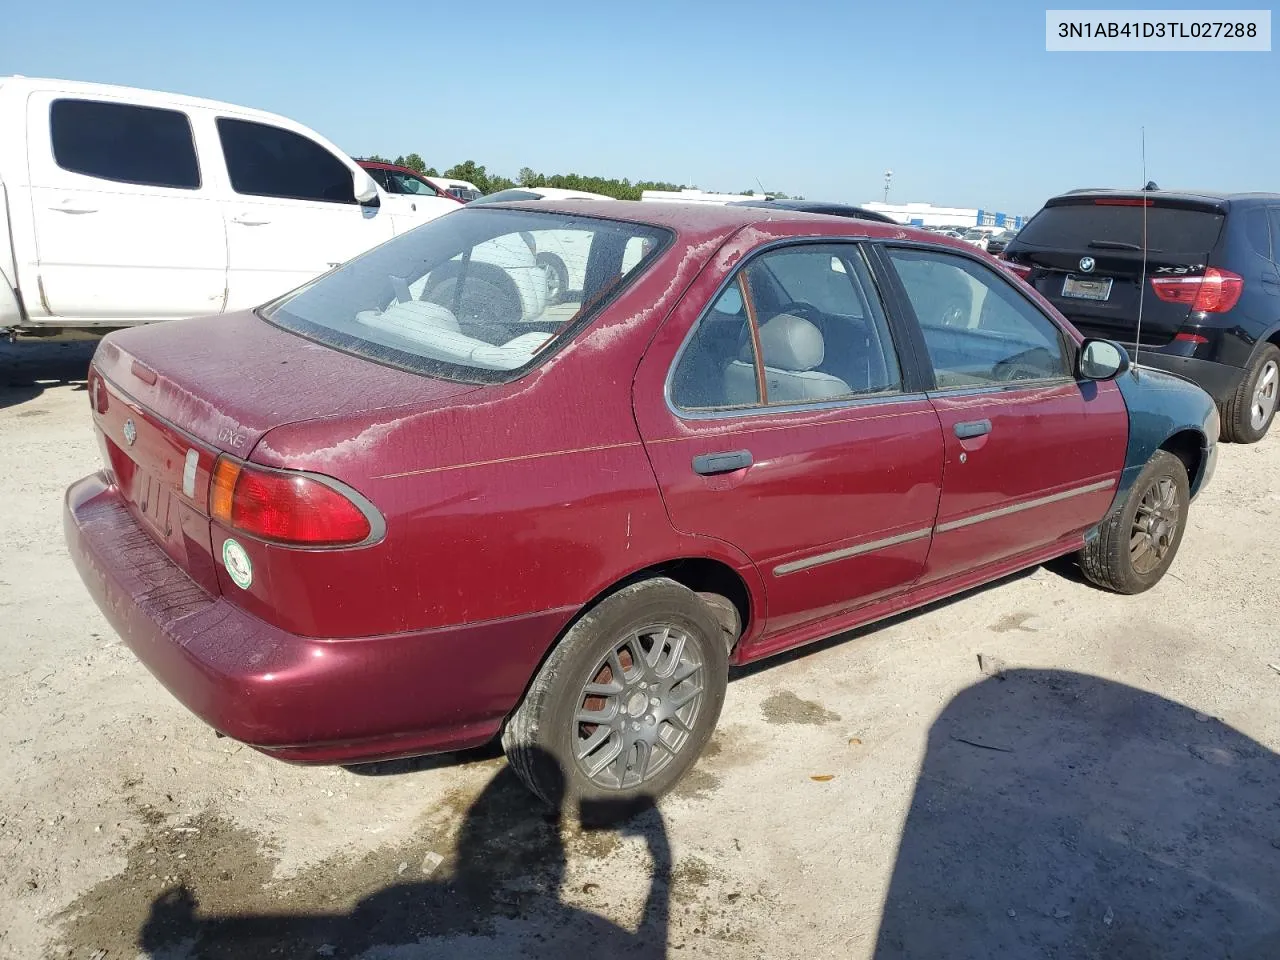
(961, 101)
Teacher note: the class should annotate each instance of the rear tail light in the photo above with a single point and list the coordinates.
(287, 507)
(1020, 270)
(1215, 292)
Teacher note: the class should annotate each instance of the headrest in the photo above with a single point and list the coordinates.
(791, 343)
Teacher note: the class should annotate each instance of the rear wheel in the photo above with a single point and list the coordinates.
(1138, 541)
(626, 701)
(1252, 407)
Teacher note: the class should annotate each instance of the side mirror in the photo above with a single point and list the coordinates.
(365, 189)
(1102, 360)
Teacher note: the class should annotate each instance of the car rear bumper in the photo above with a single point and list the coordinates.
(297, 698)
(1219, 380)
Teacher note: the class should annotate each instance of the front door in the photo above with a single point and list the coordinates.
(127, 223)
(293, 213)
(793, 432)
(1033, 457)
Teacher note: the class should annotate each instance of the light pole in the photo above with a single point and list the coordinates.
(888, 175)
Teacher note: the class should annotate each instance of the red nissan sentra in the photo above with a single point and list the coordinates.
(390, 514)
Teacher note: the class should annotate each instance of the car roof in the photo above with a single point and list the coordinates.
(144, 94)
(698, 221)
(816, 206)
(1212, 196)
(382, 165)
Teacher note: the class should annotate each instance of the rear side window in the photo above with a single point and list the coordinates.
(124, 143)
(1255, 229)
(798, 325)
(267, 161)
(1077, 226)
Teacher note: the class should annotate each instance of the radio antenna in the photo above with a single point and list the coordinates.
(1142, 280)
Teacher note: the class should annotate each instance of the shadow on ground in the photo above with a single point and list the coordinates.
(27, 368)
(499, 894)
(1059, 815)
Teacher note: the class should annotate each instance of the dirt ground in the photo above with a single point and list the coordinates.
(1106, 784)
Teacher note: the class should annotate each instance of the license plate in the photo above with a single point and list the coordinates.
(1087, 288)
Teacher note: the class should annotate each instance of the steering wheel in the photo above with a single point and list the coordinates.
(1033, 364)
(804, 309)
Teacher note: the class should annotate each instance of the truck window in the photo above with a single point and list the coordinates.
(267, 161)
(124, 143)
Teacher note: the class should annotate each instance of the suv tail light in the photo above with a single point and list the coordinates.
(288, 507)
(1215, 292)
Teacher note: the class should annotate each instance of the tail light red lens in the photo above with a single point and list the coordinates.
(1215, 292)
(285, 507)
(1195, 338)
(1020, 270)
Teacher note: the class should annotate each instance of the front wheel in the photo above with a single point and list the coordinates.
(626, 701)
(1138, 541)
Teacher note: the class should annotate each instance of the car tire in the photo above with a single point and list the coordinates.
(1154, 509)
(1249, 411)
(674, 698)
(557, 277)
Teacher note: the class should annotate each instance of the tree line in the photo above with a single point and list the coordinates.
(487, 182)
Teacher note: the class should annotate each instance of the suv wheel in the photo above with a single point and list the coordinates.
(1252, 407)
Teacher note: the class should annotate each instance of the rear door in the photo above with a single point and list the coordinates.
(291, 214)
(792, 430)
(1032, 457)
(127, 223)
(1086, 255)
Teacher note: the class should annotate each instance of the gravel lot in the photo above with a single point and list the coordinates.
(1114, 792)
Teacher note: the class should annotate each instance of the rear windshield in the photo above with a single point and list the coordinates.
(481, 294)
(1077, 225)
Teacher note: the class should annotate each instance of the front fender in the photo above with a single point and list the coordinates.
(1161, 406)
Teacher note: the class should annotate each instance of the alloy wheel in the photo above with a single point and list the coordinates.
(1263, 404)
(1155, 525)
(639, 707)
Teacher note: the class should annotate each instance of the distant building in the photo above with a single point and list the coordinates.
(927, 215)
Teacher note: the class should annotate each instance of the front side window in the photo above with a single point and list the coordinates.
(797, 325)
(124, 143)
(979, 330)
(400, 182)
(267, 161)
(465, 296)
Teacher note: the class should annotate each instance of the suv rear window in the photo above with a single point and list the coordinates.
(1074, 226)
(469, 296)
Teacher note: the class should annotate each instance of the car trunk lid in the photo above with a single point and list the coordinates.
(1086, 255)
(169, 399)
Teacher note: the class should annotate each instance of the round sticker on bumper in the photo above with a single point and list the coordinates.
(239, 566)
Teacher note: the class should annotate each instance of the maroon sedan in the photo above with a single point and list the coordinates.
(390, 514)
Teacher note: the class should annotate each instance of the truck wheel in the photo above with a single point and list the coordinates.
(1250, 410)
(1137, 542)
(626, 701)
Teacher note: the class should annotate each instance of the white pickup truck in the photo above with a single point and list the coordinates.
(121, 206)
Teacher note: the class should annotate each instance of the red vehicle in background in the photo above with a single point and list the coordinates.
(392, 513)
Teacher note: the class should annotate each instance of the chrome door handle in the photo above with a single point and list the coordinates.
(709, 464)
(968, 429)
(249, 220)
(70, 206)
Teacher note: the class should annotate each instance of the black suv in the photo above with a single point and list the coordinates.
(1209, 298)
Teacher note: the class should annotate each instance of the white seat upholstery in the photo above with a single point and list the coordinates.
(792, 347)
